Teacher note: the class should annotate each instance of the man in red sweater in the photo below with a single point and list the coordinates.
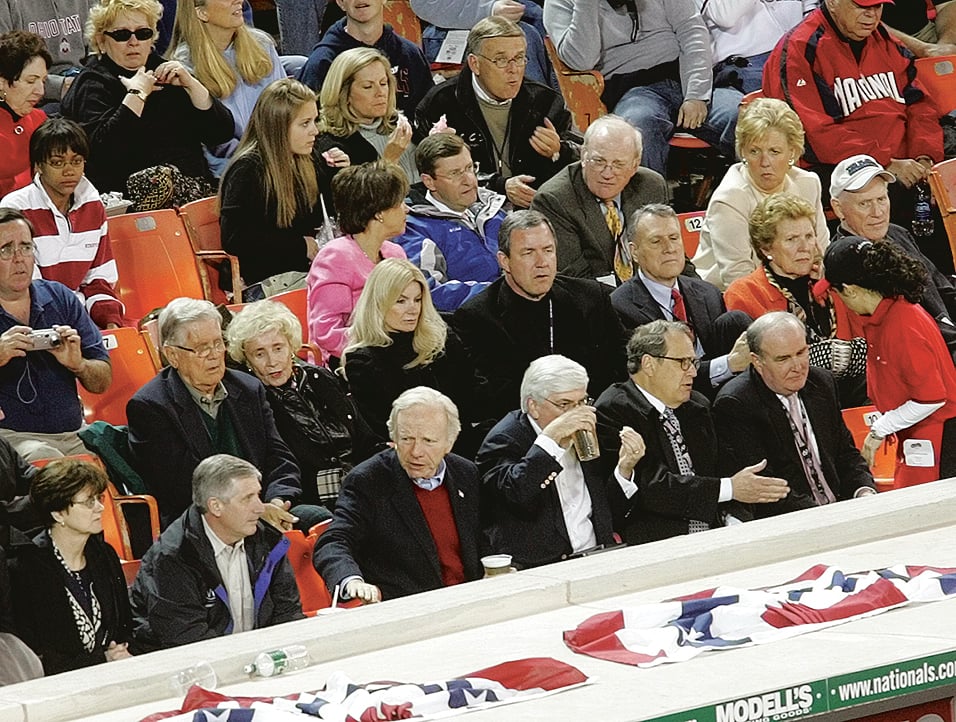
(407, 519)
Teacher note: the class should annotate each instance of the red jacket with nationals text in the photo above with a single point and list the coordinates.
(872, 105)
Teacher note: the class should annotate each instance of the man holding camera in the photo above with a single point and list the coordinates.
(47, 342)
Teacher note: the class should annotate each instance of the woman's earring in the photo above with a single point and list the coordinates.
(791, 162)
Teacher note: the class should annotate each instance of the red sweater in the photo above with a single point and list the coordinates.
(441, 523)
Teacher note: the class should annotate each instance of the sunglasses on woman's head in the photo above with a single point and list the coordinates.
(123, 35)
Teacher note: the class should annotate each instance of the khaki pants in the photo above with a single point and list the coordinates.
(34, 446)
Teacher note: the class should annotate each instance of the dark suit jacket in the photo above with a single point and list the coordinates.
(456, 100)
(503, 333)
(753, 425)
(379, 531)
(666, 499)
(585, 246)
(635, 306)
(168, 439)
(521, 508)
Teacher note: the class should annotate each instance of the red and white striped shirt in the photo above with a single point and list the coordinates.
(73, 249)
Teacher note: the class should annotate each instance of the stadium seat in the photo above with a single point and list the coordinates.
(858, 421)
(312, 590)
(404, 21)
(938, 78)
(581, 89)
(297, 302)
(201, 219)
(690, 225)
(154, 261)
(134, 362)
(942, 181)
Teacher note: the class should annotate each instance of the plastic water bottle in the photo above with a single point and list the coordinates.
(277, 661)
(923, 225)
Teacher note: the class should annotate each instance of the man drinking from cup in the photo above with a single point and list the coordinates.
(543, 489)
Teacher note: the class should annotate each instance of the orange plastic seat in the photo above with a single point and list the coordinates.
(312, 590)
(690, 225)
(133, 361)
(201, 219)
(581, 89)
(942, 181)
(404, 21)
(858, 420)
(154, 261)
(938, 78)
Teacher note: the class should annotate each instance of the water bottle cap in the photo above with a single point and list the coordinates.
(249, 669)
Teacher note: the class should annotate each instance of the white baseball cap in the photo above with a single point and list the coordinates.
(855, 172)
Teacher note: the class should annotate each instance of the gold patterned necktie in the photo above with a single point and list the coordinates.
(623, 265)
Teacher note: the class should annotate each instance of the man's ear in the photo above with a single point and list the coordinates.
(504, 262)
(473, 64)
(428, 181)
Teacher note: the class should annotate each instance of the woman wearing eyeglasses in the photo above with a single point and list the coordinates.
(69, 593)
(398, 341)
(358, 112)
(139, 110)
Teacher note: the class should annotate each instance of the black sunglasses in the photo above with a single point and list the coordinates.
(123, 35)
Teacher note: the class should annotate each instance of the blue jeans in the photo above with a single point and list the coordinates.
(653, 109)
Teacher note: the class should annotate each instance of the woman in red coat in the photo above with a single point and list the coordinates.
(24, 61)
(910, 373)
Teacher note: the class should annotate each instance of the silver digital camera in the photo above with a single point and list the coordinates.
(45, 339)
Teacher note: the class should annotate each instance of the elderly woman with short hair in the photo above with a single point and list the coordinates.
(69, 592)
(370, 199)
(139, 110)
(313, 414)
(769, 142)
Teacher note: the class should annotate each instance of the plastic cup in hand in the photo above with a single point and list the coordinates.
(496, 564)
(201, 674)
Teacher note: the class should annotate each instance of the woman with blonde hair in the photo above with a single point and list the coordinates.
(269, 196)
(359, 114)
(769, 142)
(397, 341)
(236, 62)
(139, 110)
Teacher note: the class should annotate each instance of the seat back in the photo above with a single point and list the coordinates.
(154, 260)
(404, 21)
(133, 362)
(581, 89)
(938, 78)
(858, 420)
(201, 219)
(312, 590)
(942, 181)
(690, 225)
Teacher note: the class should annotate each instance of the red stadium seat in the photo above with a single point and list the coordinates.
(201, 219)
(134, 362)
(581, 89)
(690, 225)
(942, 181)
(858, 421)
(404, 21)
(938, 78)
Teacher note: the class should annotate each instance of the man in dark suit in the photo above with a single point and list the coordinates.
(659, 291)
(786, 412)
(196, 408)
(676, 488)
(532, 312)
(407, 520)
(541, 503)
(589, 202)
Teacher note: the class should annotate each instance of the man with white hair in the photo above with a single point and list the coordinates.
(859, 194)
(543, 503)
(589, 202)
(406, 520)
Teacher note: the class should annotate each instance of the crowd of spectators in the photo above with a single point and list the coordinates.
(489, 295)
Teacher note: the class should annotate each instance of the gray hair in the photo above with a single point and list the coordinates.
(660, 210)
(182, 311)
(216, 476)
(258, 318)
(550, 375)
(608, 123)
(651, 339)
(493, 26)
(424, 396)
(520, 221)
(758, 329)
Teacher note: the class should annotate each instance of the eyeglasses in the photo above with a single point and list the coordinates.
(91, 502)
(202, 351)
(685, 361)
(457, 175)
(568, 405)
(123, 34)
(76, 161)
(601, 165)
(501, 63)
(24, 250)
